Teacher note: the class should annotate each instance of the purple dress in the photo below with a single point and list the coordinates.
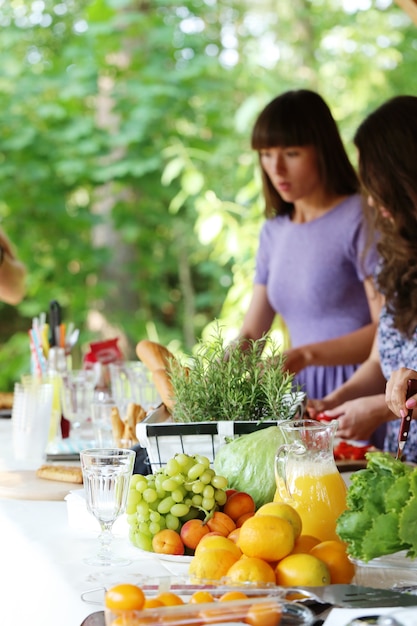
(314, 275)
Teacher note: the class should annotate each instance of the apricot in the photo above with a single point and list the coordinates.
(167, 542)
(222, 523)
(192, 532)
(239, 504)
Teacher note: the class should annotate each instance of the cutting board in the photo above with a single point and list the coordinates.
(25, 485)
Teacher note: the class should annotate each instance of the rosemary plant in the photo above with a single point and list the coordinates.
(225, 383)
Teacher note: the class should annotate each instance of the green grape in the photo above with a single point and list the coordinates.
(141, 485)
(161, 493)
(165, 505)
(208, 492)
(150, 495)
(172, 522)
(144, 528)
(154, 516)
(208, 504)
(133, 500)
(142, 541)
(207, 476)
(192, 514)
(219, 482)
(198, 487)
(162, 523)
(220, 497)
(203, 460)
(135, 479)
(154, 528)
(188, 485)
(172, 467)
(184, 461)
(142, 510)
(169, 484)
(197, 500)
(179, 479)
(196, 471)
(188, 501)
(132, 519)
(179, 510)
(178, 495)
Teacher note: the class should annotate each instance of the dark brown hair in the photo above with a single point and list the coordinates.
(301, 118)
(387, 144)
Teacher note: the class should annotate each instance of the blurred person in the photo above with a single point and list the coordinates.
(387, 146)
(12, 273)
(311, 266)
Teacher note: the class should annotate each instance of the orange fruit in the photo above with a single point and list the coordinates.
(234, 535)
(334, 554)
(251, 570)
(201, 597)
(125, 597)
(267, 537)
(302, 569)
(168, 598)
(229, 596)
(264, 614)
(281, 509)
(152, 603)
(218, 542)
(243, 518)
(304, 543)
(210, 565)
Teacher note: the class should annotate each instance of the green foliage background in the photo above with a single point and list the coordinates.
(126, 177)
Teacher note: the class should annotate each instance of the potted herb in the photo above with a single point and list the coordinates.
(227, 383)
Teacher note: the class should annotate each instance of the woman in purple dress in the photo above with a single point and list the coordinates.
(311, 267)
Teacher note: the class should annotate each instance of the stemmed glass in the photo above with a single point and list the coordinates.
(106, 474)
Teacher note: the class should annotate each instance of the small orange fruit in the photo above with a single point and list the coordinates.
(234, 535)
(152, 603)
(125, 597)
(267, 537)
(264, 615)
(302, 569)
(251, 570)
(210, 565)
(229, 596)
(201, 597)
(168, 598)
(304, 543)
(218, 542)
(221, 523)
(281, 509)
(334, 554)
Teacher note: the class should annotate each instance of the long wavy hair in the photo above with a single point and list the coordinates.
(387, 144)
(302, 118)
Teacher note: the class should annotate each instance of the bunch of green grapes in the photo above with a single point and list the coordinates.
(184, 489)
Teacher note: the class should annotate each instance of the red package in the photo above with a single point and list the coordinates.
(104, 352)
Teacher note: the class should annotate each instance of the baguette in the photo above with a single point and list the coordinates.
(164, 386)
(6, 400)
(153, 355)
(61, 473)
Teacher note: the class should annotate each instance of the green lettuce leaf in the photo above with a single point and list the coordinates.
(408, 526)
(382, 538)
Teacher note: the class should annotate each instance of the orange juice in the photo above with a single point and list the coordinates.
(318, 496)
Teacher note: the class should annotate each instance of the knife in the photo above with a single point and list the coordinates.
(406, 420)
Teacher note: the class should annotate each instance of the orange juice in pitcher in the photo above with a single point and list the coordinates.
(307, 476)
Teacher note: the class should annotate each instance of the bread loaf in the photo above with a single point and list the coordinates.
(164, 386)
(61, 473)
(153, 355)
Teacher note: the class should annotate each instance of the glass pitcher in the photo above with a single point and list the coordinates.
(307, 477)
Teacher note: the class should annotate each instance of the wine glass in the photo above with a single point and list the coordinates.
(106, 475)
(77, 394)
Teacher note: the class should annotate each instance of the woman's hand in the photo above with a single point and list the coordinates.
(396, 391)
(358, 418)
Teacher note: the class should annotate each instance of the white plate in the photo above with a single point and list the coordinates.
(174, 558)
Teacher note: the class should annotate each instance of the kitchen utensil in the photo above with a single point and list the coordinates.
(406, 420)
(354, 596)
